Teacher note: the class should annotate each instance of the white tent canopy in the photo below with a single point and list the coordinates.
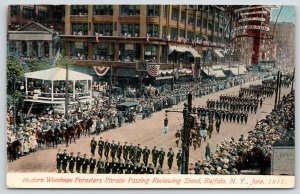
(208, 71)
(57, 73)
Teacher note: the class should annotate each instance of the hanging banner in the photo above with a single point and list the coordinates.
(252, 19)
(101, 71)
(253, 13)
(252, 27)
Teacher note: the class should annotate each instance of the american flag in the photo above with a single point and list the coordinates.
(153, 70)
(97, 37)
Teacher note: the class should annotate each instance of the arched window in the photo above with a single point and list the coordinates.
(35, 49)
(45, 49)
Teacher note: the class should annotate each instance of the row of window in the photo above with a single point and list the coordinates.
(131, 30)
(28, 13)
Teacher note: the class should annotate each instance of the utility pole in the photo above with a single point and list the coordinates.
(67, 91)
(276, 94)
(279, 87)
(110, 86)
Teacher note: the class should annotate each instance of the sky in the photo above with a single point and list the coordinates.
(287, 14)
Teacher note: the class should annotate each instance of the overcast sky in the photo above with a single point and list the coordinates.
(287, 14)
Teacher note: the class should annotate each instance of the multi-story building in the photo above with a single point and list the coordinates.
(119, 35)
(50, 16)
(284, 38)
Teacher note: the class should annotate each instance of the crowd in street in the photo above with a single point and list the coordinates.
(153, 99)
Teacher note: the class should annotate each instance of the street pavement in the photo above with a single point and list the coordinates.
(148, 132)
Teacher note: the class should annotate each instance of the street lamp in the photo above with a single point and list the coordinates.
(187, 121)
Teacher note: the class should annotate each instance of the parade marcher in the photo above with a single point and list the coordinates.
(150, 169)
(113, 149)
(119, 151)
(65, 159)
(100, 167)
(170, 156)
(79, 161)
(159, 170)
(179, 159)
(138, 154)
(155, 155)
(100, 147)
(59, 158)
(161, 156)
(92, 163)
(131, 152)
(93, 146)
(85, 163)
(107, 166)
(207, 152)
(72, 161)
(106, 148)
(121, 167)
(146, 153)
(218, 124)
(125, 151)
(114, 167)
(177, 137)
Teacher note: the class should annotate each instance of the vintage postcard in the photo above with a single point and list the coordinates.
(150, 96)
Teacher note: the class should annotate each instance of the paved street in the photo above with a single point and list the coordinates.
(148, 132)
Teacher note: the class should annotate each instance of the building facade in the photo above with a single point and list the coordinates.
(119, 35)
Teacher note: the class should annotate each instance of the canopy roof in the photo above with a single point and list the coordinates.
(182, 49)
(57, 73)
(209, 71)
(219, 73)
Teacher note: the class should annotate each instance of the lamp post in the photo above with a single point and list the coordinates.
(67, 91)
(110, 86)
(187, 119)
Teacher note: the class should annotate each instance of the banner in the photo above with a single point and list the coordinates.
(252, 27)
(153, 70)
(252, 19)
(253, 13)
(101, 71)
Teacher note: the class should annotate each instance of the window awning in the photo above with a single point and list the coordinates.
(208, 71)
(219, 73)
(183, 49)
(218, 53)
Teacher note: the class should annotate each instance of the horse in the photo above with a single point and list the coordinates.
(49, 137)
(88, 125)
(39, 138)
(69, 134)
(13, 149)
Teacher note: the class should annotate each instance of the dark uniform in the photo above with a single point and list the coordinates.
(64, 161)
(161, 156)
(131, 151)
(129, 168)
(113, 149)
(100, 147)
(72, 161)
(159, 170)
(114, 167)
(138, 153)
(92, 163)
(107, 167)
(150, 169)
(170, 156)
(106, 148)
(79, 161)
(146, 153)
(93, 146)
(59, 158)
(179, 159)
(121, 168)
(100, 167)
(125, 151)
(154, 156)
(119, 151)
(85, 163)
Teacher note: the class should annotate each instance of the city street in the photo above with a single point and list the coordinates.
(148, 133)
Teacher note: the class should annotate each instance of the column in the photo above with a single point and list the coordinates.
(39, 48)
(74, 89)
(116, 13)
(52, 90)
(28, 48)
(160, 20)
(178, 21)
(142, 52)
(67, 20)
(50, 50)
(90, 21)
(116, 51)
(90, 51)
(159, 51)
(143, 21)
(26, 87)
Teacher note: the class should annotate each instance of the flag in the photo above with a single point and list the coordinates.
(168, 37)
(101, 71)
(97, 37)
(153, 70)
(179, 40)
(148, 38)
